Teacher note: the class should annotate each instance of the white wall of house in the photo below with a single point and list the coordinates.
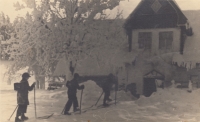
(155, 39)
(143, 64)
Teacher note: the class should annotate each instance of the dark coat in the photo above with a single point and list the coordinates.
(107, 85)
(72, 87)
(22, 94)
(109, 82)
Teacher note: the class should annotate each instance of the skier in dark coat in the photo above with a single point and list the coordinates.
(107, 86)
(22, 97)
(72, 90)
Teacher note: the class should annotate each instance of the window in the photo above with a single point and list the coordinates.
(165, 40)
(144, 40)
(198, 65)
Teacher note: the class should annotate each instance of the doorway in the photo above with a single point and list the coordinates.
(149, 86)
(149, 82)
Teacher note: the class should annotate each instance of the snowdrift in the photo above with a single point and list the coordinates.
(172, 100)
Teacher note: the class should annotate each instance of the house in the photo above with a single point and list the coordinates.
(157, 31)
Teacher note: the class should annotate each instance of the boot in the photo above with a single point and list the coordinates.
(109, 100)
(23, 117)
(18, 120)
(67, 113)
(76, 109)
(105, 104)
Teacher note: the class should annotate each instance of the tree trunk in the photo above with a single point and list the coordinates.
(42, 82)
(37, 81)
(37, 84)
(9, 82)
(71, 68)
(39, 78)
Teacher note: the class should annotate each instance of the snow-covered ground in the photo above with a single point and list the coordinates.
(166, 105)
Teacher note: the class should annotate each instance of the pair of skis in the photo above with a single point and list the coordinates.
(94, 107)
(80, 105)
(43, 117)
(85, 109)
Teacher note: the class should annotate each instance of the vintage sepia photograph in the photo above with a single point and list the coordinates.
(99, 60)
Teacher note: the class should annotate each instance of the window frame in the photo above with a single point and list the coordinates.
(145, 40)
(167, 38)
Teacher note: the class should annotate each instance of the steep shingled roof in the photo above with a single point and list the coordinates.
(165, 9)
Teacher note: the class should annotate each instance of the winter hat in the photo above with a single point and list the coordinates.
(24, 75)
(76, 75)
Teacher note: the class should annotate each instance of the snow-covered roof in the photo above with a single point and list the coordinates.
(188, 59)
(108, 63)
(62, 68)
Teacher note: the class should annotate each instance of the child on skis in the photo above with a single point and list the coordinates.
(72, 90)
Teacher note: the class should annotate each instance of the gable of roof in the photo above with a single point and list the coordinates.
(155, 13)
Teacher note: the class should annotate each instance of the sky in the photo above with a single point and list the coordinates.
(126, 5)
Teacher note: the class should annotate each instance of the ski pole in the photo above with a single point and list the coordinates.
(81, 100)
(115, 96)
(63, 109)
(13, 112)
(35, 103)
(116, 89)
(116, 93)
(98, 99)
